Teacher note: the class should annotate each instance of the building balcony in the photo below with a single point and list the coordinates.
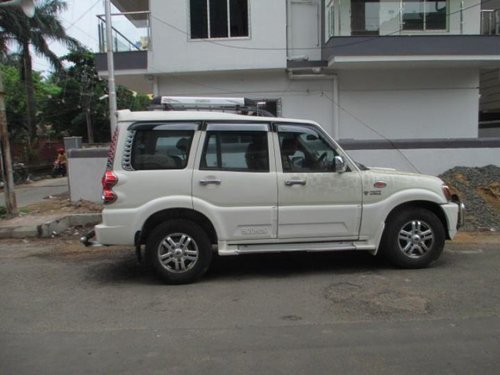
(131, 41)
(409, 17)
(422, 32)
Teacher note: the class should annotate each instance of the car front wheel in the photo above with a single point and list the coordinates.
(413, 238)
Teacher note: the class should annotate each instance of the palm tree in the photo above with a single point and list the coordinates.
(19, 30)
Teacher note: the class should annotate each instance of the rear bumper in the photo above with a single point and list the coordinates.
(114, 235)
(103, 235)
(87, 240)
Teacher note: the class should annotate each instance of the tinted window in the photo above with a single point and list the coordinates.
(161, 149)
(236, 151)
(238, 17)
(213, 18)
(424, 14)
(199, 19)
(218, 19)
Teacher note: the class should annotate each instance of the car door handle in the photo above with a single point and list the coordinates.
(207, 181)
(295, 182)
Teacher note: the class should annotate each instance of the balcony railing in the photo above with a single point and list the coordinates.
(397, 17)
(490, 21)
(131, 32)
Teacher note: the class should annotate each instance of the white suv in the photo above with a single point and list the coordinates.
(187, 184)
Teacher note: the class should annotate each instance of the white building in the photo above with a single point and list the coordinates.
(377, 74)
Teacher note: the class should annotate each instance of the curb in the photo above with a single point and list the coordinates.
(47, 229)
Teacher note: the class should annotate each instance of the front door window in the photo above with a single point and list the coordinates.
(304, 149)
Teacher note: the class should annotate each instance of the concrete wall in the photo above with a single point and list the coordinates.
(395, 104)
(419, 103)
(428, 161)
(174, 51)
(300, 99)
(85, 170)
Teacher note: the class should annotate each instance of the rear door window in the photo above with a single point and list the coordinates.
(244, 149)
(161, 147)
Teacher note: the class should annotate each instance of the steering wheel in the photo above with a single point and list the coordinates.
(322, 157)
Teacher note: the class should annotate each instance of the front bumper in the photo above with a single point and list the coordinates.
(461, 211)
(454, 212)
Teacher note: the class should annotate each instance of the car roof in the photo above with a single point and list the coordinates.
(144, 116)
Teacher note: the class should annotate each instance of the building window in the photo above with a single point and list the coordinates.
(330, 19)
(424, 15)
(365, 17)
(218, 18)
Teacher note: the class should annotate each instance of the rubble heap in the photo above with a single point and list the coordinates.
(479, 190)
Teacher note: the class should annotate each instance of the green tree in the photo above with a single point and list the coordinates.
(15, 100)
(24, 32)
(81, 107)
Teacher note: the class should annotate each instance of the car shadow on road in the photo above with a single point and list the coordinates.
(126, 269)
(292, 264)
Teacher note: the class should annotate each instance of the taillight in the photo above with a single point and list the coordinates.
(108, 196)
(108, 181)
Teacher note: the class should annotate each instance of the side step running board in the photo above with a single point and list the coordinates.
(290, 247)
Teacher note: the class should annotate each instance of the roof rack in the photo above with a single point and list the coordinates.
(242, 106)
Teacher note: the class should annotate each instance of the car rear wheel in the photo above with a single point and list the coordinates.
(179, 250)
(413, 238)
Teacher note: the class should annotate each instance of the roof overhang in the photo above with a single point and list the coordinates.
(404, 62)
(131, 5)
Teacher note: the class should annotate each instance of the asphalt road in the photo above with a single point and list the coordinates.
(68, 310)
(35, 192)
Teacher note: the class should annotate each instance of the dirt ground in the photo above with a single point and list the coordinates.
(53, 207)
(61, 204)
(477, 238)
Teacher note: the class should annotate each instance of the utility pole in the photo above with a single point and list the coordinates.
(111, 66)
(7, 173)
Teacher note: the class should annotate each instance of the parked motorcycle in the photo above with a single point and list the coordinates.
(19, 172)
(59, 170)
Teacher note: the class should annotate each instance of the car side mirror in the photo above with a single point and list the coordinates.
(340, 165)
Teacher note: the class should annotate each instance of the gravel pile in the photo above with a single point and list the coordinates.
(479, 190)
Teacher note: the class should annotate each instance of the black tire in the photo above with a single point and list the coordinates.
(413, 238)
(178, 259)
(19, 178)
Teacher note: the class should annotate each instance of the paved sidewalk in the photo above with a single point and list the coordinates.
(35, 192)
(47, 213)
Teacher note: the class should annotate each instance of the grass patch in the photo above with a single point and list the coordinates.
(22, 211)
